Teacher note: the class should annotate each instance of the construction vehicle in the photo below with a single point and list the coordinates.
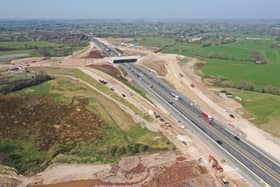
(224, 180)
(182, 139)
(103, 81)
(215, 164)
(212, 160)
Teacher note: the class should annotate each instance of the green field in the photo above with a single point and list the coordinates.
(93, 128)
(259, 75)
(264, 108)
(238, 66)
(96, 84)
(159, 42)
(231, 65)
(39, 48)
(233, 61)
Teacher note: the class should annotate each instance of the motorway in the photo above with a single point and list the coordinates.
(263, 169)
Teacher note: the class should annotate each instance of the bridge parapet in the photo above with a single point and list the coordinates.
(124, 59)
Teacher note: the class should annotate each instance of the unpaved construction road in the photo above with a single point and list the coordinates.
(164, 169)
(249, 158)
(195, 150)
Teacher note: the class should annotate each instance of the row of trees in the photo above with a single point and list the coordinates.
(255, 57)
(248, 86)
(128, 150)
(12, 86)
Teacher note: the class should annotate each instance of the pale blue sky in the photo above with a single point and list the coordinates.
(187, 9)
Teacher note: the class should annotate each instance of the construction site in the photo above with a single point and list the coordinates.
(192, 164)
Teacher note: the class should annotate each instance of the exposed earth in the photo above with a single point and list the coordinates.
(164, 169)
(182, 73)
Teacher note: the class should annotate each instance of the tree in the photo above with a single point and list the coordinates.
(43, 51)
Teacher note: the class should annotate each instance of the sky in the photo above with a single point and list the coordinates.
(140, 9)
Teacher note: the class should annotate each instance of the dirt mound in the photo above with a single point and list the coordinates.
(95, 54)
(179, 174)
(9, 182)
(158, 66)
(183, 174)
(109, 69)
(148, 171)
(180, 159)
(155, 63)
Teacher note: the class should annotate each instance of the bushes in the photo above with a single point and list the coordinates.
(20, 155)
(271, 90)
(131, 149)
(246, 85)
(206, 45)
(249, 86)
(38, 78)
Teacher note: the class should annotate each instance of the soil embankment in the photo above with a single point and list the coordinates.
(165, 169)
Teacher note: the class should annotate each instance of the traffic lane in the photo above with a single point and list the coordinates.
(258, 155)
(240, 156)
(203, 127)
(225, 139)
(182, 119)
(166, 87)
(242, 144)
(226, 143)
(160, 84)
(246, 162)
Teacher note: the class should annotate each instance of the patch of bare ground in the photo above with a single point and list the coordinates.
(30, 60)
(208, 99)
(9, 181)
(183, 76)
(158, 62)
(134, 51)
(94, 54)
(149, 170)
(155, 64)
(108, 68)
(182, 174)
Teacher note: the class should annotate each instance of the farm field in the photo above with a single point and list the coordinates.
(255, 103)
(39, 48)
(159, 42)
(231, 66)
(88, 128)
(233, 61)
(234, 71)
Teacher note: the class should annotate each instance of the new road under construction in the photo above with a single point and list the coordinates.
(252, 161)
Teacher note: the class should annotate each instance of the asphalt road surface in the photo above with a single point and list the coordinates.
(263, 169)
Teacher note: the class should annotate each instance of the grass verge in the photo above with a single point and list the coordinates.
(62, 121)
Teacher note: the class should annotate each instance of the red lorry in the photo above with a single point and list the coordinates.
(208, 117)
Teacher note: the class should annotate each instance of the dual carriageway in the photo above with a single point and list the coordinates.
(260, 167)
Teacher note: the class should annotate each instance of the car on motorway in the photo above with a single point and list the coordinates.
(228, 141)
(219, 142)
(176, 97)
(237, 138)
